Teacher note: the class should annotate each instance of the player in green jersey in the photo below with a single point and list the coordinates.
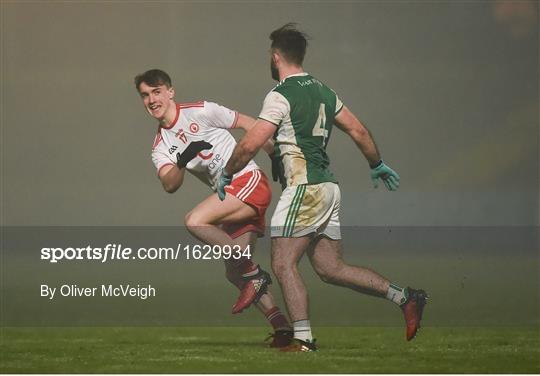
(299, 113)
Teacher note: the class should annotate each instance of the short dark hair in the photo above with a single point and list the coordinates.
(291, 42)
(154, 78)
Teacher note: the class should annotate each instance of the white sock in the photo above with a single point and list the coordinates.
(396, 294)
(302, 330)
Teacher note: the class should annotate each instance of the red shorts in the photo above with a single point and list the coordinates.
(254, 189)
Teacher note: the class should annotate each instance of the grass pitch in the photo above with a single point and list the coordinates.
(241, 350)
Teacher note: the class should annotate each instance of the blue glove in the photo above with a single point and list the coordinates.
(389, 177)
(223, 181)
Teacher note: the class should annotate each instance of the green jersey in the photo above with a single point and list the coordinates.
(303, 109)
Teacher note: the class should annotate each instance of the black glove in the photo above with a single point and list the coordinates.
(191, 152)
(276, 170)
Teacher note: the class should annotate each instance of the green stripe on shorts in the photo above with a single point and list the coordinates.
(291, 209)
(296, 203)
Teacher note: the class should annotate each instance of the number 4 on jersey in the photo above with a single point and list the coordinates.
(319, 129)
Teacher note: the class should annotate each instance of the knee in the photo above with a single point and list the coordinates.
(281, 269)
(188, 219)
(193, 220)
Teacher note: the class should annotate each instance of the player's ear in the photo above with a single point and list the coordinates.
(171, 92)
(278, 58)
(275, 57)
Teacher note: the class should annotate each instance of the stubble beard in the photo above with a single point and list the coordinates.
(274, 71)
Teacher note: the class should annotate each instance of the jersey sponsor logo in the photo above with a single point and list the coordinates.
(194, 127)
(217, 161)
(172, 149)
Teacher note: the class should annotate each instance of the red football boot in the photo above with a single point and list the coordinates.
(412, 310)
(254, 287)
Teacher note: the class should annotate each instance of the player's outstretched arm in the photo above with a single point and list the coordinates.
(171, 178)
(249, 145)
(244, 151)
(348, 123)
(246, 123)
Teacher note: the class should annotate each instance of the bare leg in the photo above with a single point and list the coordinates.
(202, 222)
(286, 253)
(328, 263)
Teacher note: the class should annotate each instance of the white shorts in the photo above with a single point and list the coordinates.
(306, 209)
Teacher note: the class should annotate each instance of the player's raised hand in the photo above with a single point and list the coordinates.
(223, 181)
(389, 177)
(191, 152)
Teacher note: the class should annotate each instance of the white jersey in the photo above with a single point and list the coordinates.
(199, 121)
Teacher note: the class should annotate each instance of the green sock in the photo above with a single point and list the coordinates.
(396, 294)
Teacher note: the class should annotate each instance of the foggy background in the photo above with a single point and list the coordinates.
(448, 89)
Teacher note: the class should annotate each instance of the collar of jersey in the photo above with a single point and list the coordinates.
(294, 75)
(178, 108)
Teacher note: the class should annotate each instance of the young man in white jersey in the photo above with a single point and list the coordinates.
(300, 113)
(195, 137)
